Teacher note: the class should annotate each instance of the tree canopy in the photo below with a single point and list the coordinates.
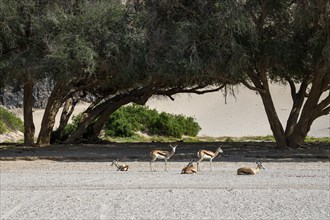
(126, 53)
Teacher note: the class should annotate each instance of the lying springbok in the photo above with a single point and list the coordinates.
(250, 170)
(120, 167)
(190, 168)
(205, 154)
(161, 154)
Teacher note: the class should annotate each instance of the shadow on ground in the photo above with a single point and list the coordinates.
(242, 151)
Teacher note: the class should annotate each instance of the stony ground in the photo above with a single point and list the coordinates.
(69, 188)
(94, 190)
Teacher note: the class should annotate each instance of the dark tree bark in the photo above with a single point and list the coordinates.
(29, 129)
(311, 110)
(260, 82)
(54, 103)
(68, 109)
(273, 120)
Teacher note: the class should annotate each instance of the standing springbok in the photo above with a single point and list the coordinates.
(190, 168)
(205, 154)
(120, 167)
(250, 170)
(161, 154)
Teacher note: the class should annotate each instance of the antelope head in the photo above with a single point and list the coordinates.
(219, 149)
(259, 164)
(191, 162)
(173, 147)
(114, 162)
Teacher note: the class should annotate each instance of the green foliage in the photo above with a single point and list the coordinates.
(119, 125)
(317, 139)
(68, 130)
(3, 127)
(9, 122)
(130, 119)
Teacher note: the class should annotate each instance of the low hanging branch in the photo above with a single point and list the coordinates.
(196, 90)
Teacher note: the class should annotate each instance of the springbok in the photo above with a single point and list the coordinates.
(250, 170)
(205, 154)
(161, 154)
(120, 167)
(190, 168)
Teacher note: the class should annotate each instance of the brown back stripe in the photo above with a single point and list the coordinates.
(161, 153)
(208, 154)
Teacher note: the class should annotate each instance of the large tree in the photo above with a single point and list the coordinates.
(252, 42)
(21, 51)
(139, 72)
(46, 39)
(282, 42)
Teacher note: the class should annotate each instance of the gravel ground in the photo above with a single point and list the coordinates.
(44, 189)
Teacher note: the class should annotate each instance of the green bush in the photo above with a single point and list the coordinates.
(9, 122)
(3, 127)
(119, 126)
(132, 118)
(127, 120)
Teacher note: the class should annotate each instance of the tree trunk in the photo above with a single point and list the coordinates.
(29, 129)
(105, 109)
(68, 109)
(101, 120)
(260, 82)
(91, 114)
(298, 101)
(54, 103)
(273, 120)
(99, 124)
(311, 110)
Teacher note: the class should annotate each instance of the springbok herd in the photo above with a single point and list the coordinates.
(190, 168)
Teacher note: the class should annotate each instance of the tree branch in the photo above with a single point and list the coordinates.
(252, 87)
(292, 88)
(322, 108)
(200, 92)
(195, 90)
(326, 110)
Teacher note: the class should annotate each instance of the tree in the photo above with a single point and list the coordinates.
(135, 76)
(28, 30)
(311, 36)
(80, 54)
(284, 42)
(20, 51)
(251, 42)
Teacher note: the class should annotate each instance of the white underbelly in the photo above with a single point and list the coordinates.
(207, 157)
(160, 157)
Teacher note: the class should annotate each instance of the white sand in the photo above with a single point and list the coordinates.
(241, 116)
(94, 190)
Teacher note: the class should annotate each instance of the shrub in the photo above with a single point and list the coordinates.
(127, 120)
(167, 125)
(119, 126)
(132, 118)
(10, 122)
(3, 127)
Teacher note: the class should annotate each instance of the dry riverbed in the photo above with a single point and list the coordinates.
(45, 189)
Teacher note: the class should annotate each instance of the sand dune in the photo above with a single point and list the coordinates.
(240, 116)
